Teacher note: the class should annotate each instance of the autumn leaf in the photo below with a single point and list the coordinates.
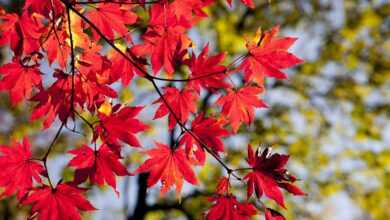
(44, 7)
(188, 11)
(22, 33)
(55, 101)
(100, 167)
(57, 48)
(122, 69)
(209, 131)
(111, 18)
(170, 166)
(19, 80)
(269, 175)
(223, 186)
(268, 56)
(165, 40)
(121, 125)
(239, 105)
(18, 169)
(208, 72)
(182, 102)
(227, 207)
(63, 202)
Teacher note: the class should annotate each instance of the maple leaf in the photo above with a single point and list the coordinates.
(121, 125)
(100, 166)
(63, 202)
(122, 69)
(210, 132)
(271, 214)
(19, 80)
(227, 207)
(168, 165)
(44, 7)
(268, 56)
(165, 40)
(7, 28)
(223, 186)
(188, 12)
(109, 17)
(57, 99)
(181, 102)
(53, 101)
(22, 33)
(207, 71)
(57, 48)
(238, 105)
(268, 175)
(166, 45)
(18, 170)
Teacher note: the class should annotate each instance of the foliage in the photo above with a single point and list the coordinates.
(79, 40)
(330, 115)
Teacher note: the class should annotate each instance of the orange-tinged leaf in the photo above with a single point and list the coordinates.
(209, 131)
(268, 56)
(239, 105)
(170, 166)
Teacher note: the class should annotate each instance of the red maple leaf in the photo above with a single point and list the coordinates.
(53, 101)
(18, 170)
(165, 39)
(166, 45)
(100, 166)
(122, 69)
(7, 28)
(227, 207)
(44, 7)
(188, 11)
(238, 105)
(19, 80)
(268, 56)
(268, 175)
(223, 186)
(120, 125)
(63, 202)
(111, 17)
(57, 48)
(207, 71)
(181, 102)
(170, 166)
(21, 33)
(210, 132)
(57, 99)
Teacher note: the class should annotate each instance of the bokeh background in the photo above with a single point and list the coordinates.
(332, 115)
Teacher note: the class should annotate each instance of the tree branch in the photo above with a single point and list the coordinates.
(152, 80)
